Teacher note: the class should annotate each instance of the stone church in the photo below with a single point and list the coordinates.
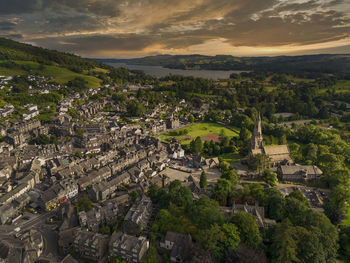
(278, 154)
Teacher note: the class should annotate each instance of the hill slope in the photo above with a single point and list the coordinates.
(22, 59)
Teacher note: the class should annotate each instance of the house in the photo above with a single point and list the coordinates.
(138, 216)
(6, 111)
(135, 173)
(65, 239)
(179, 245)
(93, 177)
(175, 151)
(256, 210)
(150, 173)
(98, 215)
(299, 173)
(129, 248)
(27, 249)
(212, 162)
(32, 112)
(60, 192)
(143, 165)
(91, 246)
(172, 123)
(15, 193)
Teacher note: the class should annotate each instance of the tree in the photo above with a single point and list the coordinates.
(191, 118)
(196, 145)
(221, 190)
(259, 163)
(203, 180)
(271, 178)
(78, 154)
(180, 195)
(83, 204)
(151, 256)
(205, 212)
(231, 236)
(133, 195)
(224, 166)
(212, 239)
(282, 139)
(248, 229)
(135, 108)
(284, 246)
(231, 176)
(244, 135)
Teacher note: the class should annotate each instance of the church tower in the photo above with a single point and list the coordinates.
(256, 141)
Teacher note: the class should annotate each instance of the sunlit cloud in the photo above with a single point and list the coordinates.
(134, 28)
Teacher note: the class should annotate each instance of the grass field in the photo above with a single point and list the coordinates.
(340, 87)
(60, 75)
(199, 129)
(231, 157)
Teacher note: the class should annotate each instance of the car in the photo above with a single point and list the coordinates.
(26, 218)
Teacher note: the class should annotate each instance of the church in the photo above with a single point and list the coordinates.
(278, 154)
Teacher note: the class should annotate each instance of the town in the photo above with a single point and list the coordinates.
(111, 165)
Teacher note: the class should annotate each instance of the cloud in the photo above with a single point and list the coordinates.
(94, 27)
(6, 25)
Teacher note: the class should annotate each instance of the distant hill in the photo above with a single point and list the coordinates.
(22, 59)
(311, 64)
(12, 50)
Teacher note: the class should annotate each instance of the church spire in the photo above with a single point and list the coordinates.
(256, 142)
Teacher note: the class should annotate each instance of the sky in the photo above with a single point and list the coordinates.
(137, 28)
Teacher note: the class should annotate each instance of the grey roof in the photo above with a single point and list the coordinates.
(295, 169)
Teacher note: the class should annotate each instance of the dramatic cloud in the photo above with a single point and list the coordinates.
(128, 28)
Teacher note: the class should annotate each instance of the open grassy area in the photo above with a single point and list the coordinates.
(342, 86)
(231, 157)
(199, 129)
(59, 74)
(203, 95)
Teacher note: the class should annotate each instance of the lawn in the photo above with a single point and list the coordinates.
(231, 157)
(199, 129)
(341, 86)
(60, 75)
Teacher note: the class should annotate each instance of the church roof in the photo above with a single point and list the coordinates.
(256, 151)
(276, 149)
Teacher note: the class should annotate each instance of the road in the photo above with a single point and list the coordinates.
(50, 240)
(34, 221)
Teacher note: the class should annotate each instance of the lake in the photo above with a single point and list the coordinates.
(160, 71)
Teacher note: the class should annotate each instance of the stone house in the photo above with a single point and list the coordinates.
(299, 173)
(135, 174)
(60, 192)
(91, 246)
(103, 190)
(129, 248)
(98, 215)
(138, 216)
(178, 246)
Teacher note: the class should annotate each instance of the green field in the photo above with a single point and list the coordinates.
(199, 129)
(231, 157)
(59, 74)
(340, 87)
